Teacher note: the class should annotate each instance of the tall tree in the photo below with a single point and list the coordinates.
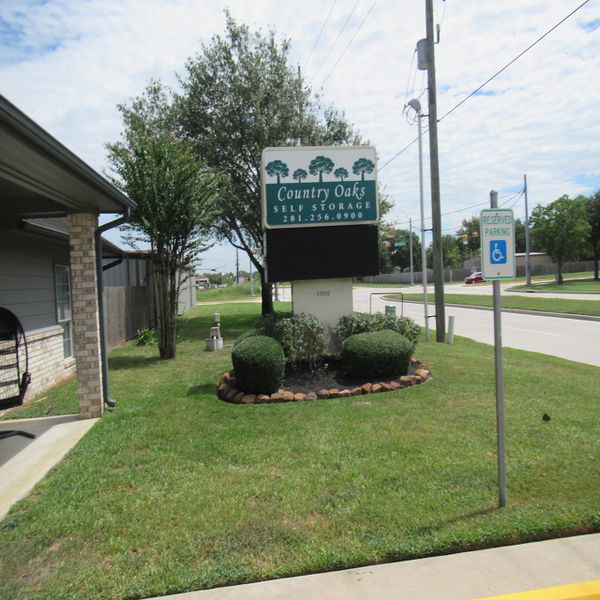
(174, 194)
(241, 95)
(561, 229)
(520, 242)
(399, 248)
(468, 236)
(450, 252)
(592, 205)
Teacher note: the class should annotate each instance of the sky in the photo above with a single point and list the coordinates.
(68, 63)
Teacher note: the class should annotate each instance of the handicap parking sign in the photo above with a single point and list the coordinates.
(498, 254)
(497, 235)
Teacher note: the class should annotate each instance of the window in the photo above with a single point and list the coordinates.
(62, 283)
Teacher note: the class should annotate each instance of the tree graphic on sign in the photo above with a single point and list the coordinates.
(300, 174)
(320, 165)
(341, 173)
(277, 168)
(362, 166)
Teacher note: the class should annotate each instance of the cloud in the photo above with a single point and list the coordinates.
(68, 64)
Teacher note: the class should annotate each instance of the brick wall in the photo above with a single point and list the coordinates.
(46, 363)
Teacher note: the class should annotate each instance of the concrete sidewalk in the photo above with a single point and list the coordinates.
(29, 460)
(465, 576)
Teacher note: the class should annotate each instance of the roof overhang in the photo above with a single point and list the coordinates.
(41, 177)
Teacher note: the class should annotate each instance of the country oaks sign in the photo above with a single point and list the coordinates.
(314, 186)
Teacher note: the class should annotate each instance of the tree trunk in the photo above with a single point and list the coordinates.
(164, 312)
(559, 277)
(266, 294)
(596, 260)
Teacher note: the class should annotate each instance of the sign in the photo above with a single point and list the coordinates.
(316, 186)
(497, 226)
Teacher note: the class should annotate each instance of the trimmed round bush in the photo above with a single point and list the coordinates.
(258, 362)
(362, 323)
(244, 336)
(376, 353)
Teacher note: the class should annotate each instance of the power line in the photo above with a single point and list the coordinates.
(513, 60)
(412, 60)
(488, 80)
(385, 164)
(349, 43)
(336, 40)
(319, 34)
(307, 43)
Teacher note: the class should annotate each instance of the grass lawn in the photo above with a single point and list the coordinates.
(176, 490)
(569, 286)
(231, 292)
(558, 305)
(382, 285)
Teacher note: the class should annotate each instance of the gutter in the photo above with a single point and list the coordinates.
(28, 129)
(99, 276)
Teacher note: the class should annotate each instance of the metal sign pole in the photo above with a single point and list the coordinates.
(499, 364)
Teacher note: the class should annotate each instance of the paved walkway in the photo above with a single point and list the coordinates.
(25, 462)
(465, 576)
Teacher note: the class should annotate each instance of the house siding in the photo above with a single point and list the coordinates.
(27, 289)
(27, 277)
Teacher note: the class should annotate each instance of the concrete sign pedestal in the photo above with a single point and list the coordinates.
(327, 299)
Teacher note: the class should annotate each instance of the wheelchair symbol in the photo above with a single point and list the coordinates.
(498, 252)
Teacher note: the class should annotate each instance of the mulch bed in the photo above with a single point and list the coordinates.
(330, 382)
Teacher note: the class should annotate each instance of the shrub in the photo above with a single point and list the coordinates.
(145, 337)
(362, 323)
(258, 362)
(244, 336)
(301, 336)
(376, 353)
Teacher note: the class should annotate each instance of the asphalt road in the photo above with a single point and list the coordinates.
(573, 339)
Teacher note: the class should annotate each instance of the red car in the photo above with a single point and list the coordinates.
(476, 277)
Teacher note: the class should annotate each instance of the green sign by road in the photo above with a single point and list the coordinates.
(321, 190)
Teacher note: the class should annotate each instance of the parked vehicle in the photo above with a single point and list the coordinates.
(476, 277)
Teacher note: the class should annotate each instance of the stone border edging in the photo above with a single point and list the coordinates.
(227, 390)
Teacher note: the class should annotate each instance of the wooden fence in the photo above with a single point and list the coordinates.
(126, 311)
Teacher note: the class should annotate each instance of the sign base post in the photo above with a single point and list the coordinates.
(327, 299)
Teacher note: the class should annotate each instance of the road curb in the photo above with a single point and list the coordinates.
(538, 313)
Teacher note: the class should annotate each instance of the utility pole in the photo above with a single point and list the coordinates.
(527, 255)
(412, 271)
(438, 273)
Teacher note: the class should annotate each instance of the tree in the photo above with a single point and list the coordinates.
(450, 252)
(468, 237)
(341, 173)
(399, 248)
(362, 166)
(520, 242)
(300, 174)
(592, 205)
(320, 165)
(174, 194)
(240, 96)
(561, 229)
(385, 255)
(277, 168)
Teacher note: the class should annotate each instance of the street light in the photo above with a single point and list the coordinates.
(412, 271)
(416, 106)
